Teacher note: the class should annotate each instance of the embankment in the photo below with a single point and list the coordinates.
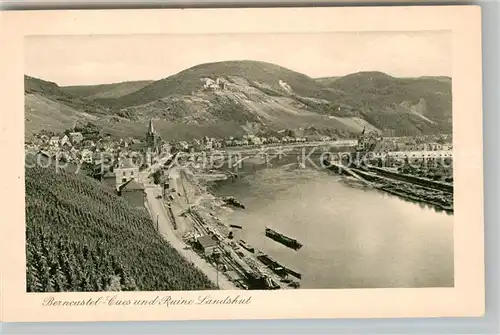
(413, 179)
(407, 187)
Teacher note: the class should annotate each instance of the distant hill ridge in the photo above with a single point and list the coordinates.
(258, 96)
(106, 91)
(187, 81)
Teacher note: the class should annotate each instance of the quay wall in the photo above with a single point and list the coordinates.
(413, 179)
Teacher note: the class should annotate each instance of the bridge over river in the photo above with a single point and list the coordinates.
(235, 158)
(237, 155)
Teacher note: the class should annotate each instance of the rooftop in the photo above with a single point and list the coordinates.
(207, 241)
(131, 185)
(109, 174)
(126, 163)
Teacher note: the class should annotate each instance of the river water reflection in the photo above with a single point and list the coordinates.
(353, 237)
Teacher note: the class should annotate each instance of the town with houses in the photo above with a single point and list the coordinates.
(74, 147)
(121, 154)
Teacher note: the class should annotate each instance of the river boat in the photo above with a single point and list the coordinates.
(285, 240)
(246, 246)
(293, 273)
(233, 202)
(276, 267)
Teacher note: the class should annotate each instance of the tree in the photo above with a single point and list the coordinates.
(89, 130)
(157, 175)
(406, 162)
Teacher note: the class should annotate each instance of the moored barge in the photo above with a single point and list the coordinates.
(233, 202)
(285, 240)
(272, 264)
(236, 226)
(246, 246)
(276, 267)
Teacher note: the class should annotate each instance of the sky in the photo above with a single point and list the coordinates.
(103, 59)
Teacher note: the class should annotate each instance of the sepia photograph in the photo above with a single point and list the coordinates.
(252, 162)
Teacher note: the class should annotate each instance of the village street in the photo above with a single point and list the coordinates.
(161, 219)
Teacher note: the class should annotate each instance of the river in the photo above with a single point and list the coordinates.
(353, 237)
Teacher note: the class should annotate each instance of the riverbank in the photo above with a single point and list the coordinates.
(411, 189)
(201, 209)
(201, 212)
(423, 199)
(354, 236)
(440, 199)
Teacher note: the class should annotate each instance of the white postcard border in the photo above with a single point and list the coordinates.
(465, 299)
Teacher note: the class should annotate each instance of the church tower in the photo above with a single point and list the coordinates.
(151, 129)
(152, 139)
(362, 140)
(151, 135)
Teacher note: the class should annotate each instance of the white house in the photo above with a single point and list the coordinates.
(183, 145)
(64, 140)
(54, 141)
(256, 140)
(86, 155)
(76, 137)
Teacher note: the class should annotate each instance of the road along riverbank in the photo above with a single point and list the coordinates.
(161, 219)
